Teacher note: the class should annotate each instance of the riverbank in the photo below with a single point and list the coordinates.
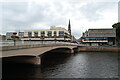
(98, 49)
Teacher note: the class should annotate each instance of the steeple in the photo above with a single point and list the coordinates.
(69, 27)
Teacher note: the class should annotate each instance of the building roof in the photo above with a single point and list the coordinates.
(101, 29)
(51, 29)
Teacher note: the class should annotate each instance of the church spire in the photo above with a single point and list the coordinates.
(69, 27)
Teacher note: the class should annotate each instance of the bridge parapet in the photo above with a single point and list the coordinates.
(5, 48)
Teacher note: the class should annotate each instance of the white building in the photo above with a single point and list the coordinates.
(9, 34)
(54, 33)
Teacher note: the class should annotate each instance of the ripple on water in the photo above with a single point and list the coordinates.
(81, 65)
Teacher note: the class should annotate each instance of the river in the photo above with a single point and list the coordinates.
(79, 65)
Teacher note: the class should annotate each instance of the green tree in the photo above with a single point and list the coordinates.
(117, 26)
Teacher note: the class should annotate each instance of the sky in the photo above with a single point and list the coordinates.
(20, 15)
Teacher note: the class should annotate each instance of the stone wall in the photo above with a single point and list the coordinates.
(91, 48)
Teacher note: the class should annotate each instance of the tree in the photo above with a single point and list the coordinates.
(117, 26)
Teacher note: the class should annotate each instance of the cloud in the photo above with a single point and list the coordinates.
(119, 11)
(36, 14)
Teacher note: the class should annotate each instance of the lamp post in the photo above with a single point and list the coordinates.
(14, 38)
(43, 36)
(55, 36)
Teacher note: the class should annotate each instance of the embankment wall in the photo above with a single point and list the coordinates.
(98, 49)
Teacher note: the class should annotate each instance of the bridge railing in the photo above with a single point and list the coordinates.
(24, 45)
(11, 43)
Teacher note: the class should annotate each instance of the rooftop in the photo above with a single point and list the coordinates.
(101, 29)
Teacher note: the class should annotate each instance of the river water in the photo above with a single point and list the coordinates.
(79, 65)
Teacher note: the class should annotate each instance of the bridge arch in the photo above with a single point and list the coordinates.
(33, 55)
(58, 50)
(55, 56)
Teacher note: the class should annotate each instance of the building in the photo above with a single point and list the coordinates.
(99, 36)
(54, 33)
(20, 34)
(73, 38)
(2, 37)
(69, 28)
(9, 34)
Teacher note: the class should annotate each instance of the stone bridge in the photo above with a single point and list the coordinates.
(33, 55)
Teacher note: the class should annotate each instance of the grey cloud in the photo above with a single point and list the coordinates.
(119, 11)
(77, 33)
(20, 15)
(16, 15)
(91, 11)
(17, 7)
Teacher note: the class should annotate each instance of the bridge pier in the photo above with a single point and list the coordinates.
(69, 51)
(76, 50)
(35, 60)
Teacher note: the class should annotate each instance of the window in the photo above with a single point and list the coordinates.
(29, 34)
(42, 34)
(61, 34)
(36, 34)
(21, 34)
(96, 38)
(55, 34)
(49, 34)
(8, 34)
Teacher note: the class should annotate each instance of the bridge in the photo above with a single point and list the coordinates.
(32, 53)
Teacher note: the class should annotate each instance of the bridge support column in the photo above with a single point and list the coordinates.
(35, 60)
(70, 51)
(76, 50)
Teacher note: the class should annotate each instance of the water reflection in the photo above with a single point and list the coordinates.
(81, 65)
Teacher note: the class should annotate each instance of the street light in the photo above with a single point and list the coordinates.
(55, 36)
(42, 39)
(43, 36)
(14, 38)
